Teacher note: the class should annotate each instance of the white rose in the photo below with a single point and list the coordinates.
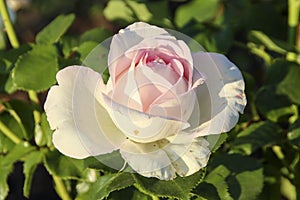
(157, 105)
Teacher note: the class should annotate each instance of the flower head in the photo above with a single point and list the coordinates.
(159, 103)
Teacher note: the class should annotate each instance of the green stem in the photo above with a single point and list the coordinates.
(8, 25)
(60, 188)
(34, 98)
(8, 133)
(293, 18)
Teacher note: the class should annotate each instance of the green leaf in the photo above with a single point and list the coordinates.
(137, 195)
(216, 141)
(86, 48)
(69, 45)
(65, 167)
(179, 188)
(256, 136)
(285, 76)
(200, 10)
(96, 35)
(29, 166)
(243, 175)
(214, 185)
(106, 184)
(111, 162)
(35, 70)
(43, 133)
(279, 110)
(128, 11)
(7, 164)
(23, 114)
(52, 33)
(5, 143)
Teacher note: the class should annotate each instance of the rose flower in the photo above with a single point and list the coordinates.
(157, 109)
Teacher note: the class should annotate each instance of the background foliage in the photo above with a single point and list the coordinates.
(260, 158)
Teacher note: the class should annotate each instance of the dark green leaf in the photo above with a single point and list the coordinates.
(256, 136)
(137, 195)
(23, 114)
(215, 186)
(52, 33)
(111, 162)
(285, 76)
(7, 164)
(243, 175)
(279, 110)
(178, 188)
(35, 70)
(216, 141)
(5, 143)
(69, 45)
(64, 167)
(107, 184)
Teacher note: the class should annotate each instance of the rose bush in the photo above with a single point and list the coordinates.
(157, 107)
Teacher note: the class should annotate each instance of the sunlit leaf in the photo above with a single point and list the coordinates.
(128, 11)
(233, 177)
(179, 188)
(35, 70)
(201, 10)
(52, 33)
(95, 34)
(256, 136)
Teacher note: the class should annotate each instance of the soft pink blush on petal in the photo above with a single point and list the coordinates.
(128, 38)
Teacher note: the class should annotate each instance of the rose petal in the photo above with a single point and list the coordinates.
(180, 107)
(222, 96)
(148, 160)
(182, 153)
(126, 90)
(188, 155)
(150, 84)
(168, 49)
(142, 127)
(126, 39)
(79, 120)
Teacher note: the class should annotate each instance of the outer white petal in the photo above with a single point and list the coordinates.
(188, 155)
(222, 96)
(79, 120)
(182, 154)
(148, 159)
